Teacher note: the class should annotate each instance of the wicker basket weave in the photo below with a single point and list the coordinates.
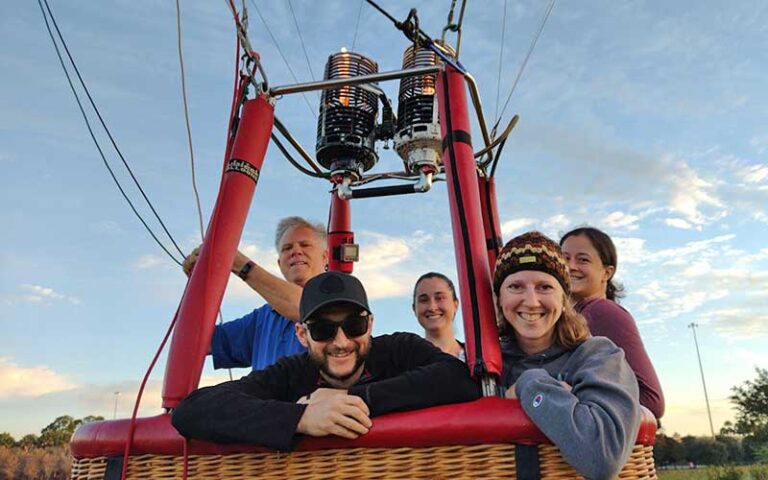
(476, 462)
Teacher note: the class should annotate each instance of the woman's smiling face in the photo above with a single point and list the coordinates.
(532, 302)
(589, 277)
(434, 304)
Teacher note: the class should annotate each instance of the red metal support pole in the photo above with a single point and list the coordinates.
(478, 312)
(339, 234)
(205, 290)
(493, 241)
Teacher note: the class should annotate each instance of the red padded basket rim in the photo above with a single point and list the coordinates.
(484, 421)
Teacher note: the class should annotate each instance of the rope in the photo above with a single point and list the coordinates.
(186, 119)
(525, 61)
(93, 136)
(357, 24)
(303, 47)
(285, 60)
(142, 386)
(501, 56)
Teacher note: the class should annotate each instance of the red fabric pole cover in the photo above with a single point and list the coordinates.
(339, 233)
(493, 241)
(205, 289)
(477, 309)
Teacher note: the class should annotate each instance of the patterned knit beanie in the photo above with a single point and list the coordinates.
(531, 251)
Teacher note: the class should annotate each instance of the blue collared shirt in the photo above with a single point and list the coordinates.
(256, 340)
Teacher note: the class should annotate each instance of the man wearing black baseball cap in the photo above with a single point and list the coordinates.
(344, 379)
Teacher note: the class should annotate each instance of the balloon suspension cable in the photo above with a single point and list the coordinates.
(454, 27)
(411, 30)
(252, 60)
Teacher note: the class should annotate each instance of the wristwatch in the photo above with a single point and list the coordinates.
(243, 273)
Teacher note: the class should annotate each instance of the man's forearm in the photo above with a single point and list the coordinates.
(283, 296)
(224, 414)
(430, 385)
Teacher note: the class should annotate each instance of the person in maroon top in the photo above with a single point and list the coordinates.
(592, 260)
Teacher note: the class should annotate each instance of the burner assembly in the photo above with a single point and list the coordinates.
(346, 126)
(418, 140)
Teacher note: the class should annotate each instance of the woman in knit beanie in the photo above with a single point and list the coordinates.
(578, 390)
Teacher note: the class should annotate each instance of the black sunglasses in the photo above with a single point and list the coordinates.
(323, 330)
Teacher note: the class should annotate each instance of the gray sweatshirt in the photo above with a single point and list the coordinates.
(594, 425)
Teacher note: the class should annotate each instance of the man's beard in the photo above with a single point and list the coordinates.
(334, 378)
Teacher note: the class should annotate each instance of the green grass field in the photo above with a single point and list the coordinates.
(747, 472)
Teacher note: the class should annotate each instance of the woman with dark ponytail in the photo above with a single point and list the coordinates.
(592, 261)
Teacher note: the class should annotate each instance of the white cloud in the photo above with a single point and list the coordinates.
(39, 294)
(697, 269)
(754, 173)
(515, 226)
(149, 261)
(696, 247)
(678, 223)
(556, 222)
(35, 381)
(387, 268)
(692, 195)
(708, 278)
(652, 292)
(631, 250)
(618, 219)
(738, 322)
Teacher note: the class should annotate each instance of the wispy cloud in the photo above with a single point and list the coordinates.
(515, 226)
(38, 294)
(621, 220)
(34, 381)
(722, 285)
(738, 322)
(678, 223)
(150, 261)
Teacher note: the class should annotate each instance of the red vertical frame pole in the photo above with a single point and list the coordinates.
(339, 234)
(493, 241)
(478, 312)
(205, 289)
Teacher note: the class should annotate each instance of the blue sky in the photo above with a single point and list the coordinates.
(647, 119)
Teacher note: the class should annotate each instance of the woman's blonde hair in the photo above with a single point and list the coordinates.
(571, 328)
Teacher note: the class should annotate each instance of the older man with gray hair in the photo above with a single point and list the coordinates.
(261, 337)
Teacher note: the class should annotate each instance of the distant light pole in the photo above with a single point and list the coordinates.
(114, 413)
(693, 326)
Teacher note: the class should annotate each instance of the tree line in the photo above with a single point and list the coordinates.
(45, 456)
(742, 441)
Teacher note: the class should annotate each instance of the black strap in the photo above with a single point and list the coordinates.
(462, 136)
(114, 470)
(527, 462)
(493, 243)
